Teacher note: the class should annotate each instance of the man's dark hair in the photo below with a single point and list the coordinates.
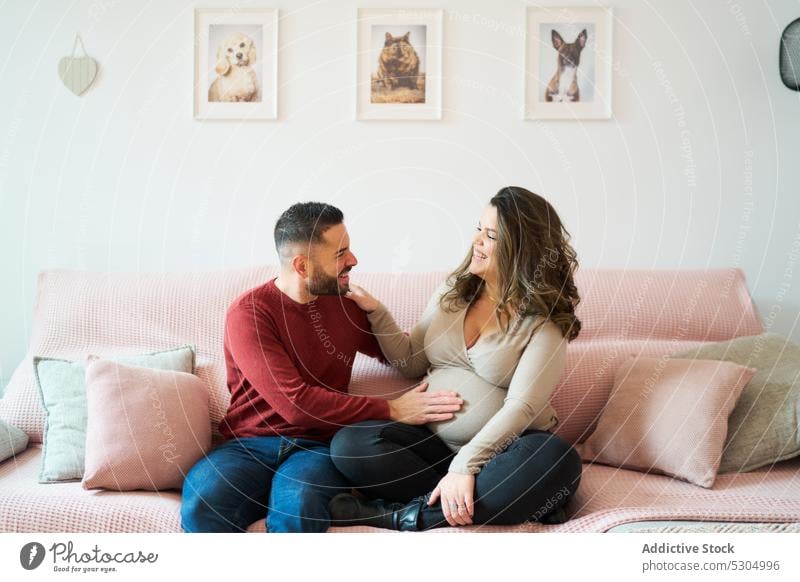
(305, 223)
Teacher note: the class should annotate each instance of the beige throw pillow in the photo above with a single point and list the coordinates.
(763, 428)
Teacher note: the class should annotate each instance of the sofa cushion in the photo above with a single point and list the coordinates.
(12, 441)
(29, 506)
(668, 416)
(607, 497)
(146, 428)
(763, 428)
(62, 386)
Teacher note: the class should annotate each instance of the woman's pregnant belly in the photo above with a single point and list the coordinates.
(482, 400)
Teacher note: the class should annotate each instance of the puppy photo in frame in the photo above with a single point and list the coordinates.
(236, 63)
(399, 64)
(568, 63)
(235, 49)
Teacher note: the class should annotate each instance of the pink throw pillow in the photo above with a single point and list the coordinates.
(146, 428)
(668, 416)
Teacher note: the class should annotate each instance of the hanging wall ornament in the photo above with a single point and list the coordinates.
(77, 73)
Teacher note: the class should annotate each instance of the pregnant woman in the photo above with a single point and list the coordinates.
(496, 332)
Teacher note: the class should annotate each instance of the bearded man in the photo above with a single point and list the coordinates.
(289, 350)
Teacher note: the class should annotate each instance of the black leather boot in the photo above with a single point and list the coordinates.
(347, 509)
(555, 517)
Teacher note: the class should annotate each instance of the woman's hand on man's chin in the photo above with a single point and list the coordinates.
(362, 298)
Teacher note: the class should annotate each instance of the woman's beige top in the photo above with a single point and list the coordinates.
(505, 380)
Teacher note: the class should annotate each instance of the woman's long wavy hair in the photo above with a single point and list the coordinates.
(535, 266)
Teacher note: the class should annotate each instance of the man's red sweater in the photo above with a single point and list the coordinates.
(289, 365)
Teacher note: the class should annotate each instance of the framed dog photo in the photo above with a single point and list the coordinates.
(399, 64)
(568, 63)
(236, 63)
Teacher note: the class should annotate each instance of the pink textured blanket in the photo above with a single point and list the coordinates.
(607, 497)
(623, 311)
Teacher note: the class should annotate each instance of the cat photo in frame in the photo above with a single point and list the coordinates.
(398, 72)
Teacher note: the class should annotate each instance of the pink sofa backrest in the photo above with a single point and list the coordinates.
(623, 311)
(77, 313)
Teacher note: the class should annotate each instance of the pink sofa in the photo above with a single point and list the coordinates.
(645, 312)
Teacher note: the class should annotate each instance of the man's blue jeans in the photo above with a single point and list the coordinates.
(288, 480)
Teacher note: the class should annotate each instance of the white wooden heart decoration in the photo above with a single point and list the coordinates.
(77, 73)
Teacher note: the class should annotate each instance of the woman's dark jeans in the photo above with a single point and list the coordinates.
(531, 477)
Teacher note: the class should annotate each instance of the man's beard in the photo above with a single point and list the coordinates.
(322, 284)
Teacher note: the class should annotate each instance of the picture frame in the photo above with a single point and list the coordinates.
(236, 63)
(557, 39)
(399, 64)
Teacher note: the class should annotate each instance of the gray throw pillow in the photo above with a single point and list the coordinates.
(12, 441)
(763, 427)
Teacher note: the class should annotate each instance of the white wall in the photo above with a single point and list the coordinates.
(698, 167)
